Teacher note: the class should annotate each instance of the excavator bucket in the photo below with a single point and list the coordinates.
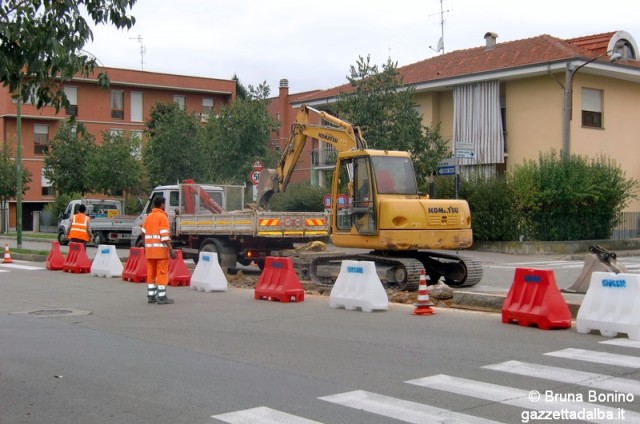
(598, 260)
(267, 186)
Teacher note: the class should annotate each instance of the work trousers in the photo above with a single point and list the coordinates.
(158, 271)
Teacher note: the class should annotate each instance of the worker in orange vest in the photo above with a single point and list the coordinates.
(79, 230)
(157, 250)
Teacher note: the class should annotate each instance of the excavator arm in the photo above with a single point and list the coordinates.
(343, 136)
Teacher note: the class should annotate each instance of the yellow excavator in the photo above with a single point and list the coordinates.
(375, 205)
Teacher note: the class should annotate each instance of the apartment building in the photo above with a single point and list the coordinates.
(510, 101)
(124, 107)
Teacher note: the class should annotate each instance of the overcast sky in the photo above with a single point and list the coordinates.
(314, 43)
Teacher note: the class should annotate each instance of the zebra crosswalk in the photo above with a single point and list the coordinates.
(605, 403)
(632, 264)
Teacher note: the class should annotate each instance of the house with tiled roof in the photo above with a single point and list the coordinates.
(507, 102)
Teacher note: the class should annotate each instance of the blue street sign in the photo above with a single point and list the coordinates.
(446, 170)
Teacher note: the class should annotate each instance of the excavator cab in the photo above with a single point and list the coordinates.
(368, 181)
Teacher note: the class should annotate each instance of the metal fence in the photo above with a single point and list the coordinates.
(628, 227)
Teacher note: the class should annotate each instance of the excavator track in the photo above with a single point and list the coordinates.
(397, 272)
(403, 272)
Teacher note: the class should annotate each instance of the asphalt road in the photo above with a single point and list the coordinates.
(76, 348)
(498, 268)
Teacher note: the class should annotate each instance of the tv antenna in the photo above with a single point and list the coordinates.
(143, 50)
(440, 46)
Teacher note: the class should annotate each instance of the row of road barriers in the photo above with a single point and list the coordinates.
(610, 304)
(357, 286)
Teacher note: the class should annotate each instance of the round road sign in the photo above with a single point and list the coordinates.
(341, 201)
(254, 176)
(326, 201)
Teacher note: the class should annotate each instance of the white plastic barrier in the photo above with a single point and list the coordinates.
(107, 263)
(611, 305)
(208, 275)
(358, 286)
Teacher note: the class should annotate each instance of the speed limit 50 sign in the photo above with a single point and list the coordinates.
(254, 176)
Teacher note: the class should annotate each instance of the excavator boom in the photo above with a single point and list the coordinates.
(342, 136)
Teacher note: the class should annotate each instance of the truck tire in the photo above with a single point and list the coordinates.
(226, 254)
(62, 238)
(97, 239)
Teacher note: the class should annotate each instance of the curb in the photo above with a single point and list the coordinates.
(493, 302)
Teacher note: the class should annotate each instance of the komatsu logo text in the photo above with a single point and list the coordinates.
(450, 209)
(327, 137)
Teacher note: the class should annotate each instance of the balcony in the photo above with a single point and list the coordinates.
(324, 158)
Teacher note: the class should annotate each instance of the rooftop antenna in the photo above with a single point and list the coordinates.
(143, 50)
(440, 46)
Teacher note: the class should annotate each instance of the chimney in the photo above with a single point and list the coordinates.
(490, 38)
(284, 83)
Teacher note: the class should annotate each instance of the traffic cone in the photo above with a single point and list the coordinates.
(7, 254)
(423, 304)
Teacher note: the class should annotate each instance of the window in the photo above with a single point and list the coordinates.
(117, 104)
(591, 108)
(47, 190)
(136, 150)
(136, 106)
(72, 97)
(115, 132)
(179, 100)
(40, 139)
(207, 109)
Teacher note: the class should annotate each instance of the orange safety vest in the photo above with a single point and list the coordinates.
(79, 227)
(156, 232)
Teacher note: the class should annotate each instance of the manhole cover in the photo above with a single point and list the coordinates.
(45, 313)
(51, 312)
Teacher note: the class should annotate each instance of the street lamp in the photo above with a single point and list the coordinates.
(568, 97)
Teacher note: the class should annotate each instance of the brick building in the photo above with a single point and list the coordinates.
(125, 106)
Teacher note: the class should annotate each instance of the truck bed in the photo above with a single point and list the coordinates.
(257, 224)
(116, 223)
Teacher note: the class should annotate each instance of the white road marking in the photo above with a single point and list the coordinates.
(402, 410)
(517, 397)
(581, 378)
(24, 267)
(597, 357)
(623, 342)
(262, 415)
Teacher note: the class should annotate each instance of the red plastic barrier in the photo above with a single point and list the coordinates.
(135, 270)
(77, 260)
(534, 298)
(279, 281)
(55, 260)
(179, 274)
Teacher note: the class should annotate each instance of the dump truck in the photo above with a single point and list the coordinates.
(211, 218)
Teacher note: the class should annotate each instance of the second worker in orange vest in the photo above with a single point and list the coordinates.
(157, 250)
(79, 231)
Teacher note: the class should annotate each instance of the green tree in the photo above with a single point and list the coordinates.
(238, 136)
(384, 108)
(8, 180)
(241, 90)
(66, 165)
(115, 166)
(41, 44)
(174, 150)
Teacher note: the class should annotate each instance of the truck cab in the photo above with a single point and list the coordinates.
(175, 205)
(96, 209)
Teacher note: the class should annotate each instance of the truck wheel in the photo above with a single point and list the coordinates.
(140, 242)
(62, 238)
(226, 254)
(97, 239)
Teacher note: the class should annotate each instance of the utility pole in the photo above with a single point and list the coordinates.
(19, 173)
